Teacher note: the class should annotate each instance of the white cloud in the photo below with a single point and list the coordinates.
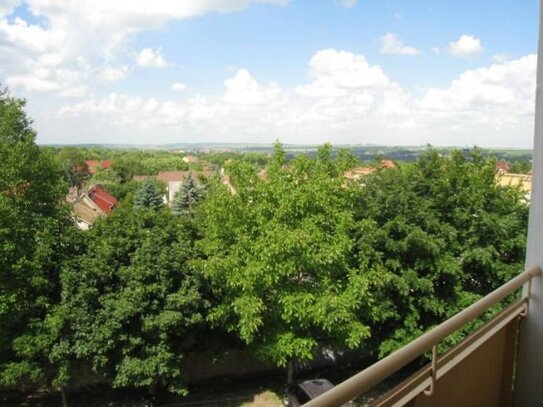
(505, 85)
(348, 3)
(335, 72)
(242, 89)
(62, 29)
(32, 83)
(149, 58)
(109, 74)
(466, 46)
(392, 44)
(31, 37)
(178, 87)
(7, 7)
(348, 100)
(499, 58)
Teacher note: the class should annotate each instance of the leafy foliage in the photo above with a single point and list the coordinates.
(520, 167)
(34, 240)
(280, 259)
(132, 304)
(444, 233)
(290, 262)
(73, 163)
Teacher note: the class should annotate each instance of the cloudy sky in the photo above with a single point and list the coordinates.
(390, 72)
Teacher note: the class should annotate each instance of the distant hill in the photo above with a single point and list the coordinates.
(363, 151)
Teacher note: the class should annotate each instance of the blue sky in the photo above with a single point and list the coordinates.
(382, 72)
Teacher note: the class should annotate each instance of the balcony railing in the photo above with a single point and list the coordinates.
(476, 372)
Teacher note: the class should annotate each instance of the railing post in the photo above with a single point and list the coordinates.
(528, 388)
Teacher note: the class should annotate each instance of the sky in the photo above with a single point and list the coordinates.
(386, 72)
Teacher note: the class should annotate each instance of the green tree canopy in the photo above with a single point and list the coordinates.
(149, 195)
(132, 305)
(188, 196)
(34, 241)
(444, 233)
(280, 259)
(73, 163)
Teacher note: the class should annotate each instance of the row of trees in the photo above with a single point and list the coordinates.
(283, 267)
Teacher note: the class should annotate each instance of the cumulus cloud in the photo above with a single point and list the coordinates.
(348, 3)
(150, 58)
(243, 89)
(507, 85)
(7, 7)
(178, 87)
(466, 46)
(498, 58)
(335, 72)
(62, 28)
(347, 100)
(392, 44)
(110, 74)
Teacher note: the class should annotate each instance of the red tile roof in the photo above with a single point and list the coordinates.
(502, 166)
(94, 164)
(102, 199)
(169, 176)
(388, 164)
(358, 172)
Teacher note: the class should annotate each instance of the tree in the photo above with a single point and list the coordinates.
(35, 239)
(149, 195)
(443, 233)
(520, 167)
(187, 197)
(132, 304)
(73, 163)
(280, 260)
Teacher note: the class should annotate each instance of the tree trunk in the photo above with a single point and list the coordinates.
(152, 392)
(290, 371)
(63, 395)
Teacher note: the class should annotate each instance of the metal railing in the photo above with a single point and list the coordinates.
(382, 369)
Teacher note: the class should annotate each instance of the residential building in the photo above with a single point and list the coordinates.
(94, 166)
(88, 206)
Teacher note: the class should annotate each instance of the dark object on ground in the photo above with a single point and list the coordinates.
(300, 393)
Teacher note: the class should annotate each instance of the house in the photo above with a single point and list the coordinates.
(102, 199)
(88, 206)
(522, 181)
(190, 159)
(94, 166)
(388, 164)
(174, 179)
(502, 167)
(358, 172)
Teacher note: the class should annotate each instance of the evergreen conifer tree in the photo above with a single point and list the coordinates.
(149, 195)
(188, 195)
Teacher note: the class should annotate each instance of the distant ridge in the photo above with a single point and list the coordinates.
(193, 146)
